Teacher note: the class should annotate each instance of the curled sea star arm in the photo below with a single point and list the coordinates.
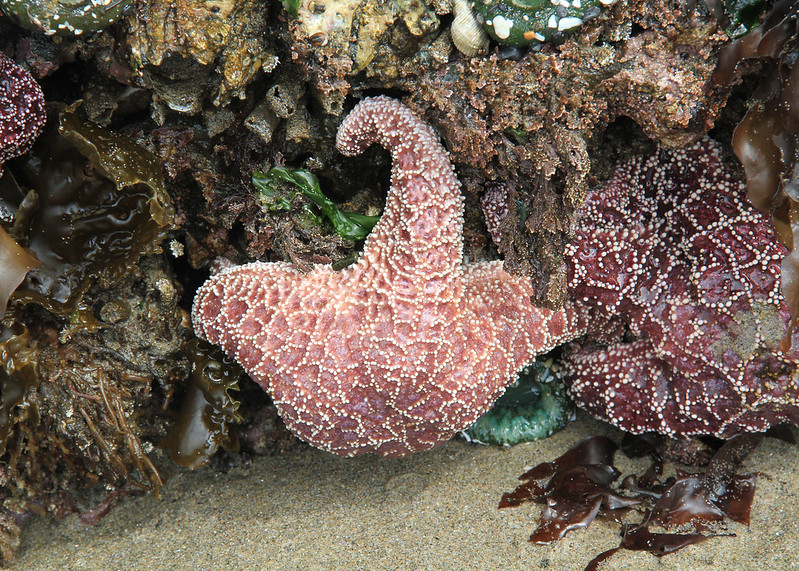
(419, 236)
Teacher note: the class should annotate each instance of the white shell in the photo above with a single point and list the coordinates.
(467, 34)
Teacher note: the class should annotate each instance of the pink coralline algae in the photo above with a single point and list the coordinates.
(22, 112)
(406, 347)
(679, 276)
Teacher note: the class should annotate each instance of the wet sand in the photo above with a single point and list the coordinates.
(436, 510)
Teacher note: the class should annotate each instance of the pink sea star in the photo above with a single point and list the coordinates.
(22, 112)
(680, 275)
(406, 347)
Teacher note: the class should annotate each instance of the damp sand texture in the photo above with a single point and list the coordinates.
(435, 510)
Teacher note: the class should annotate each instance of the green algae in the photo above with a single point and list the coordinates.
(275, 197)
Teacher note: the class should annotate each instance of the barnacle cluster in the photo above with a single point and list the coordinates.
(193, 53)
(336, 40)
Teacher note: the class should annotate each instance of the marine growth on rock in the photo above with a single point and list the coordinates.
(522, 22)
(66, 17)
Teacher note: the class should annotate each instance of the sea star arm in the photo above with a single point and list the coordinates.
(239, 323)
(522, 329)
(419, 235)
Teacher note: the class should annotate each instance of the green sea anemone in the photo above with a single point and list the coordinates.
(534, 406)
(66, 17)
(522, 22)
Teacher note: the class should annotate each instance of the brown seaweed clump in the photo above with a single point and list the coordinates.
(92, 340)
(85, 183)
(208, 409)
(766, 141)
(16, 263)
(676, 512)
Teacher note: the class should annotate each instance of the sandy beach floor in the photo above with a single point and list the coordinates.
(435, 510)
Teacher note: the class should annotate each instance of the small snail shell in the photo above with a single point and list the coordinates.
(467, 34)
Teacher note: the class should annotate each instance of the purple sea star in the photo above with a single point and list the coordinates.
(677, 276)
(406, 347)
(22, 112)
(680, 276)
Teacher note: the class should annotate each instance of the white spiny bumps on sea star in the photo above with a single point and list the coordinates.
(681, 277)
(406, 347)
(22, 112)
